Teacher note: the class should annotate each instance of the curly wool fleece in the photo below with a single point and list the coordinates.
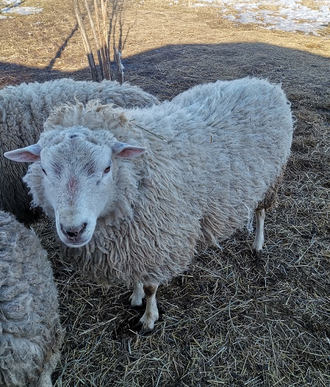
(213, 152)
(30, 330)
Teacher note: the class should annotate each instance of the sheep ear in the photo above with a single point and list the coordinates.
(28, 154)
(120, 149)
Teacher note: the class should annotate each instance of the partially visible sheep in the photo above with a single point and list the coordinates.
(30, 330)
(214, 153)
(23, 110)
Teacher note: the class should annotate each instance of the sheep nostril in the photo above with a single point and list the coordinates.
(73, 232)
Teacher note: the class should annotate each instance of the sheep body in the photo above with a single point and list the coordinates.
(23, 110)
(226, 145)
(30, 331)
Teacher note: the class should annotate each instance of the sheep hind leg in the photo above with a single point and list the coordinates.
(151, 313)
(260, 236)
(267, 203)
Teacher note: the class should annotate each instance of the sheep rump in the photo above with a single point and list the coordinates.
(24, 109)
(30, 330)
(226, 144)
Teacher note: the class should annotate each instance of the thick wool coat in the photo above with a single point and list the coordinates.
(30, 332)
(212, 154)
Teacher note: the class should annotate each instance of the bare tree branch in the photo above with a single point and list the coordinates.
(106, 21)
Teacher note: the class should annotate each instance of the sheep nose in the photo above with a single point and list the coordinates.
(73, 233)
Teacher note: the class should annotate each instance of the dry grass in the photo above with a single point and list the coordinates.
(232, 320)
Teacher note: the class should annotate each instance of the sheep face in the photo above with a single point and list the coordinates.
(78, 178)
(78, 168)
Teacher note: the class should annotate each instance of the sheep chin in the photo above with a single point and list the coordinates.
(76, 245)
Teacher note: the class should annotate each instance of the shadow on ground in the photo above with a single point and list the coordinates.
(168, 70)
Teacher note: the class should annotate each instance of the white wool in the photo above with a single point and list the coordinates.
(226, 145)
(30, 330)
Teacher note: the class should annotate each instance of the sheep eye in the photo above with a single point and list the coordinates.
(107, 170)
(44, 171)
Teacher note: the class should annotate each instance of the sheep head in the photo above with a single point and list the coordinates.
(78, 168)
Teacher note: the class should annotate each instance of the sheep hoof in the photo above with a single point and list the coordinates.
(257, 252)
(147, 322)
(141, 329)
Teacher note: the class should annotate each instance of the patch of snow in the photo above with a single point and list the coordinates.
(22, 10)
(13, 7)
(10, 2)
(285, 15)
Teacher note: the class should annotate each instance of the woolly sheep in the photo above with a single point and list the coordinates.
(23, 110)
(214, 153)
(30, 331)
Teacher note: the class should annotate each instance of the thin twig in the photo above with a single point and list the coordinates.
(86, 43)
(97, 43)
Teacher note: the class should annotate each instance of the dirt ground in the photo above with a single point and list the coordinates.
(232, 320)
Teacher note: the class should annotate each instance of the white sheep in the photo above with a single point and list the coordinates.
(214, 153)
(30, 330)
(23, 110)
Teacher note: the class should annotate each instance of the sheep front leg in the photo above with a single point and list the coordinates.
(151, 314)
(259, 237)
(137, 296)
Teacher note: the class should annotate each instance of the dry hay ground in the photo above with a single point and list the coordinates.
(232, 320)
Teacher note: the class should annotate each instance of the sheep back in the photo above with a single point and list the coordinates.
(232, 140)
(30, 330)
(24, 109)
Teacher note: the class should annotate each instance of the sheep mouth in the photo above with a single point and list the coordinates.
(74, 236)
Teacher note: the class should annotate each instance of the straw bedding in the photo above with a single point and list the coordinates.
(232, 320)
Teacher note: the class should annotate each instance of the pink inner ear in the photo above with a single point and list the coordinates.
(28, 154)
(21, 156)
(29, 157)
(130, 152)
